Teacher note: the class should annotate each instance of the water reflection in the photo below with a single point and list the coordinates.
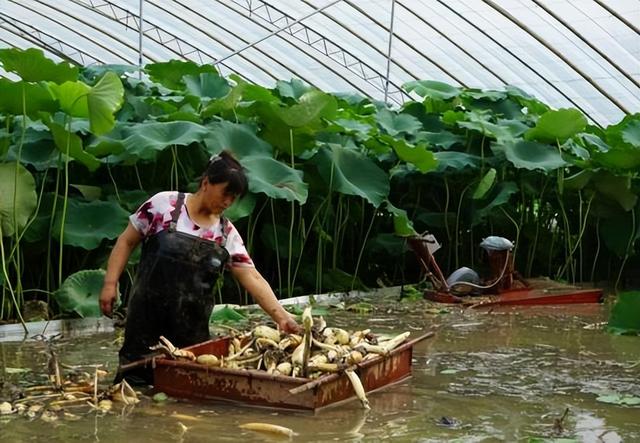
(499, 376)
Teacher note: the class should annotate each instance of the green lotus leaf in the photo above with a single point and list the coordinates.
(616, 188)
(395, 124)
(359, 127)
(104, 100)
(229, 101)
(557, 125)
(498, 196)
(350, 172)
(625, 314)
(226, 315)
(171, 73)
(419, 156)
(616, 233)
(456, 161)
(619, 399)
(626, 133)
(485, 184)
(443, 139)
(70, 143)
(294, 88)
(72, 97)
(533, 105)
(432, 89)
(620, 157)
(311, 106)
(88, 223)
(488, 94)
(578, 180)
(32, 66)
(145, 140)
(16, 185)
(401, 224)
(241, 207)
(207, 85)
(533, 155)
(238, 138)
(19, 97)
(269, 176)
(80, 293)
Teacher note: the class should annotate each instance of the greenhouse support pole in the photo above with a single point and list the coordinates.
(140, 34)
(288, 25)
(386, 83)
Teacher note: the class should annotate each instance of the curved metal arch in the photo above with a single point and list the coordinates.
(517, 57)
(163, 37)
(587, 42)
(34, 36)
(217, 40)
(442, 34)
(154, 32)
(120, 56)
(607, 8)
(362, 39)
(410, 45)
(269, 56)
(325, 46)
(356, 87)
(557, 53)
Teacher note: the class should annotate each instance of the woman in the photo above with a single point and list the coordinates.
(187, 243)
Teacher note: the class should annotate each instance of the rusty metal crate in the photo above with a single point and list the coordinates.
(183, 379)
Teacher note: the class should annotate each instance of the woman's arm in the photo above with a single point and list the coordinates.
(261, 291)
(126, 243)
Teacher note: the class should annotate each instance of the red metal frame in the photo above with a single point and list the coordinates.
(184, 379)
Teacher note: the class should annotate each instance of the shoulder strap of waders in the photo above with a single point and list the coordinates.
(223, 222)
(175, 214)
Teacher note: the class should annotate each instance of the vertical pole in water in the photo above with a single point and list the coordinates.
(386, 84)
(140, 34)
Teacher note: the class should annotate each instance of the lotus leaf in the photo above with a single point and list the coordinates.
(70, 143)
(32, 66)
(432, 89)
(239, 138)
(104, 99)
(17, 197)
(88, 223)
(456, 160)
(206, 85)
(533, 155)
(485, 184)
(401, 223)
(226, 315)
(352, 173)
(294, 88)
(22, 97)
(80, 293)
(395, 124)
(557, 125)
(171, 73)
(625, 315)
(241, 207)
(312, 106)
(277, 180)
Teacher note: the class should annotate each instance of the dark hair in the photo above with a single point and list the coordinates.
(224, 167)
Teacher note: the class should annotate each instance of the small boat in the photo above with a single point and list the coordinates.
(537, 292)
(250, 387)
(529, 296)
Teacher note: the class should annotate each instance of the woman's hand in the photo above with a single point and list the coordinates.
(108, 297)
(289, 325)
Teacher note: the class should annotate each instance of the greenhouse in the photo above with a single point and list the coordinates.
(441, 192)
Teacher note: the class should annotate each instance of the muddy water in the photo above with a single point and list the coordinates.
(499, 376)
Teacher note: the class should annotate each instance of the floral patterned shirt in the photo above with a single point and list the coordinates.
(155, 215)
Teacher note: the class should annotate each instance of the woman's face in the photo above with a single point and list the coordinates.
(216, 196)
